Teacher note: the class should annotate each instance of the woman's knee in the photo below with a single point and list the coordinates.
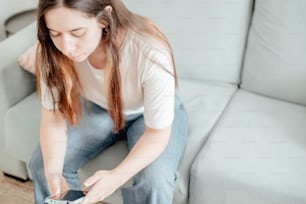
(150, 187)
(157, 179)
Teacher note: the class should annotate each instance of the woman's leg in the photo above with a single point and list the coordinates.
(92, 135)
(155, 184)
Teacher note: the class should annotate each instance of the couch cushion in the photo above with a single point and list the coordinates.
(107, 160)
(21, 127)
(275, 62)
(256, 154)
(15, 45)
(208, 37)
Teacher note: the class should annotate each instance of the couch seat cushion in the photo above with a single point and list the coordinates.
(22, 127)
(256, 154)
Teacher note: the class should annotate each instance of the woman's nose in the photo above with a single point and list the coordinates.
(68, 45)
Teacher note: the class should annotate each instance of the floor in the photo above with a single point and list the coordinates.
(13, 191)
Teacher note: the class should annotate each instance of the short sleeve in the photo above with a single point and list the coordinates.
(27, 59)
(159, 90)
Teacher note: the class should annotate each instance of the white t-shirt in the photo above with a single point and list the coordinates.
(147, 81)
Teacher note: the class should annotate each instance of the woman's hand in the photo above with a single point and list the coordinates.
(102, 184)
(56, 184)
(150, 145)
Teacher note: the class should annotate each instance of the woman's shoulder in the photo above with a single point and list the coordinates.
(145, 41)
(145, 45)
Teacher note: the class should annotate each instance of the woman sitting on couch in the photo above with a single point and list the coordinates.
(105, 73)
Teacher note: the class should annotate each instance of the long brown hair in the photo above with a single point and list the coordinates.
(57, 71)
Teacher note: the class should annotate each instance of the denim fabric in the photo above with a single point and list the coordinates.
(153, 185)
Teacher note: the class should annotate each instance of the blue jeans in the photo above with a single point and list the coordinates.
(153, 185)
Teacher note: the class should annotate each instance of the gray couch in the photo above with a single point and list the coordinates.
(242, 72)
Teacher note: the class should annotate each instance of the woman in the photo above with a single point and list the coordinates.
(104, 72)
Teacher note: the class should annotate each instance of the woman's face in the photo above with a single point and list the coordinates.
(73, 33)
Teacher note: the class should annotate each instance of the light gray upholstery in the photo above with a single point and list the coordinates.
(23, 130)
(15, 84)
(256, 154)
(275, 59)
(208, 36)
(242, 78)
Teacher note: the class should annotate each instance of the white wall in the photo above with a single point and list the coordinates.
(10, 7)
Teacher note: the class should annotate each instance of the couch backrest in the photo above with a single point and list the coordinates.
(12, 47)
(275, 61)
(207, 36)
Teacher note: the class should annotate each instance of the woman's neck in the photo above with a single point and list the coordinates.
(98, 58)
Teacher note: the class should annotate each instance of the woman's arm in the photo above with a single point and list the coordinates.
(148, 148)
(53, 141)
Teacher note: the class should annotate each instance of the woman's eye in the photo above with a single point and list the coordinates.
(78, 33)
(54, 34)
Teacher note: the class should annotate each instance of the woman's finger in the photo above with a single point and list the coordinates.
(93, 179)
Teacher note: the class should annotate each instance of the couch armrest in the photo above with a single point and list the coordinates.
(15, 84)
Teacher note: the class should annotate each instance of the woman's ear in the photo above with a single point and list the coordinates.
(102, 25)
(108, 8)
